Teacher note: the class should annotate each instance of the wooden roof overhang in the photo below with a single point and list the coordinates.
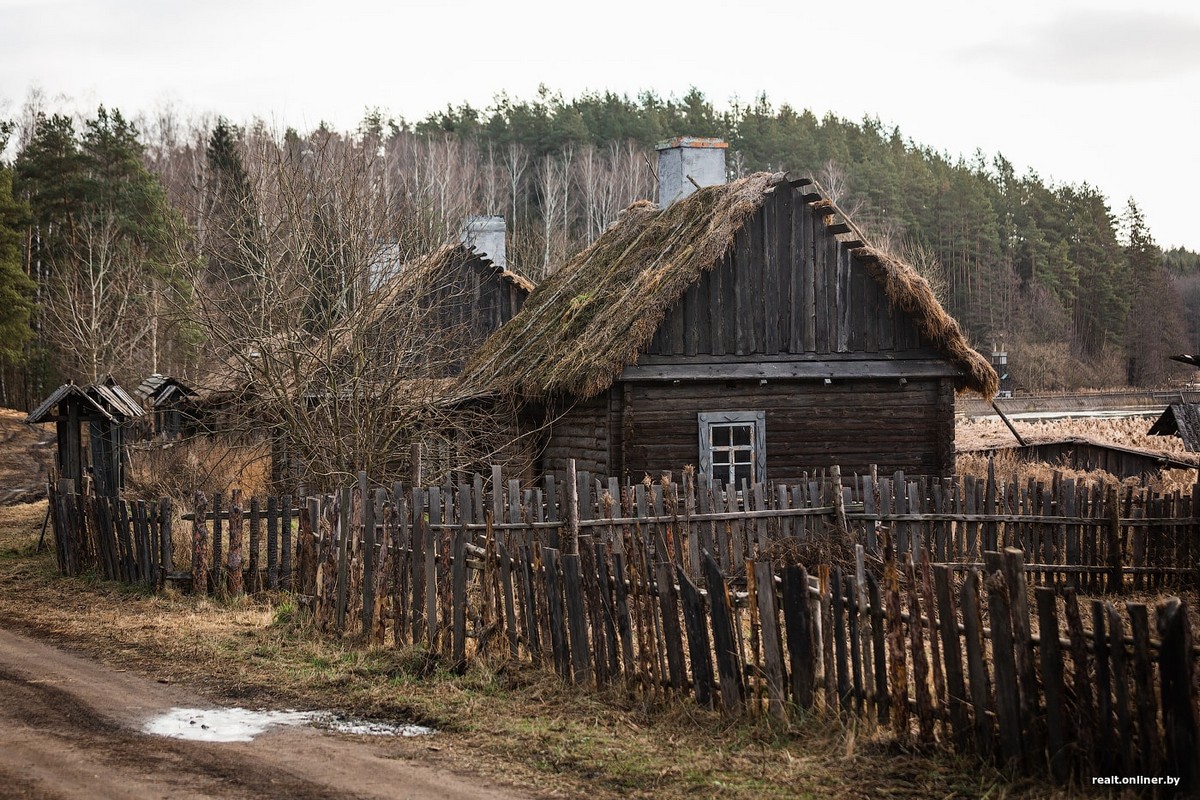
(102, 401)
(1182, 420)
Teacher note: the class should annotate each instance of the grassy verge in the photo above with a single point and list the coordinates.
(509, 721)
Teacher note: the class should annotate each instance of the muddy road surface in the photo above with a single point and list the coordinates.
(73, 728)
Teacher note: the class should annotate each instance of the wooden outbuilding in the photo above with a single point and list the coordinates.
(1182, 420)
(108, 410)
(748, 329)
(172, 404)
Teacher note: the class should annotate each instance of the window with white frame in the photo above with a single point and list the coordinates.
(733, 446)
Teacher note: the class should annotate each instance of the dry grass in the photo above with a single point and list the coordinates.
(204, 463)
(1124, 432)
(512, 720)
(24, 461)
(1127, 432)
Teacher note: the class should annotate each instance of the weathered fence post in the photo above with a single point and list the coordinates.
(1052, 681)
(1114, 541)
(167, 557)
(1008, 695)
(218, 547)
(1143, 686)
(1178, 701)
(724, 640)
(772, 642)
(343, 547)
(254, 567)
(572, 543)
(699, 647)
(367, 516)
(234, 562)
(200, 545)
(977, 673)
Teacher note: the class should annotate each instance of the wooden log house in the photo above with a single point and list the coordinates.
(748, 329)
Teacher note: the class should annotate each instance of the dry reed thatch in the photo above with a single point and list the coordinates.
(590, 319)
(909, 291)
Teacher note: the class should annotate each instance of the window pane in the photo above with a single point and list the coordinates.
(720, 456)
(742, 456)
(742, 473)
(741, 435)
(720, 435)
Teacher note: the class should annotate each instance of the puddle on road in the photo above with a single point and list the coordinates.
(243, 725)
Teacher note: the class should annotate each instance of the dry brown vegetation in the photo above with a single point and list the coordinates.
(25, 458)
(976, 434)
(206, 464)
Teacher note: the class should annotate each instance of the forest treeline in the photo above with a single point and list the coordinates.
(117, 233)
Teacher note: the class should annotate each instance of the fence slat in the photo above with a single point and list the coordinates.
(772, 644)
(577, 622)
(1052, 681)
(1149, 746)
(724, 643)
(977, 672)
(798, 624)
(1120, 678)
(956, 687)
(1178, 695)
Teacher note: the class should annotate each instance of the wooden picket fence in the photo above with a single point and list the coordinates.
(923, 622)
(124, 540)
(918, 614)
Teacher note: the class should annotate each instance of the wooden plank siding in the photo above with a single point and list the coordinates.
(471, 299)
(808, 425)
(786, 287)
(646, 427)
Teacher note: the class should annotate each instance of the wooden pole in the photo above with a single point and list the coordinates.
(1008, 422)
(572, 509)
(200, 546)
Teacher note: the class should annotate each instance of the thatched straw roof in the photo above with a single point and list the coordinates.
(589, 320)
(437, 272)
(910, 292)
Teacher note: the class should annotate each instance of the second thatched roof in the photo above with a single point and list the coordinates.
(589, 320)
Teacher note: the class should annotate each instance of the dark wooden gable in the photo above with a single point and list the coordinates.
(787, 290)
(441, 310)
(474, 296)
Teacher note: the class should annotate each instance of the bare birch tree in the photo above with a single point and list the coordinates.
(338, 369)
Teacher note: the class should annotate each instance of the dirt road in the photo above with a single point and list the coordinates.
(71, 728)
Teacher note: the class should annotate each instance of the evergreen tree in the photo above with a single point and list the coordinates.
(102, 246)
(1155, 327)
(232, 215)
(16, 289)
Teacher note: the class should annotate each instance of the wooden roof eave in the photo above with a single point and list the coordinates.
(50, 411)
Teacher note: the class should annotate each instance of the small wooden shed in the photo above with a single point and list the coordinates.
(747, 329)
(171, 403)
(108, 410)
(1182, 420)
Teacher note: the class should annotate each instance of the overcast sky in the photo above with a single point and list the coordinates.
(1096, 92)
